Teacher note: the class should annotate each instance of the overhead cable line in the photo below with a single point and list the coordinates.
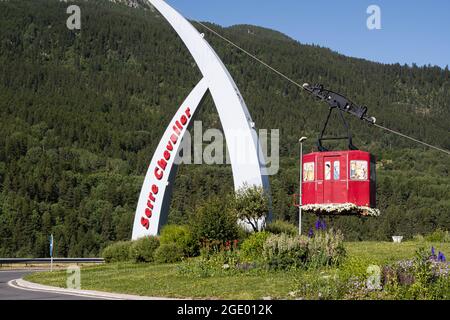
(303, 88)
(412, 139)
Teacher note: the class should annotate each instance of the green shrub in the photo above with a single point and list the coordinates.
(168, 253)
(215, 220)
(284, 251)
(326, 248)
(354, 267)
(421, 278)
(438, 235)
(182, 236)
(142, 250)
(280, 226)
(117, 252)
(418, 238)
(252, 247)
(243, 233)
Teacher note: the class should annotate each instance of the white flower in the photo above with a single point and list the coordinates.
(341, 208)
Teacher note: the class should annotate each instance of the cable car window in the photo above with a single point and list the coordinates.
(336, 170)
(358, 170)
(327, 170)
(308, 171)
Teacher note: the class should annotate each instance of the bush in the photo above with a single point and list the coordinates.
(424, 277)
(168, 253)
(355, 267)
(143, 250)
(252, 247)
(181, 236)
(117, 252)
(243, 233)
(326, 248)
(284, 251)
(280, 226)
(438, 235)
(215, 220)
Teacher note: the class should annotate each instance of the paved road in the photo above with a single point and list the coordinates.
(9, 293)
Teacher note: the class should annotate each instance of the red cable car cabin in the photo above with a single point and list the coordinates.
(335, 178)
(339, 182)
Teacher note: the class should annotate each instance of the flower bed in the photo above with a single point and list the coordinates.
(341, 209)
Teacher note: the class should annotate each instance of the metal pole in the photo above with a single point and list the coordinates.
(300, 191)
(300, 186)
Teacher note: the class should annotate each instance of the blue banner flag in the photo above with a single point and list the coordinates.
(51, 245)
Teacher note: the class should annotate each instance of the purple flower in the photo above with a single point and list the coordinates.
(311, 233)
(441, 257)
(318, 225)
(432, 251)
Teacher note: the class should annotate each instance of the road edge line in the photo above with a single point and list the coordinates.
(22, 284)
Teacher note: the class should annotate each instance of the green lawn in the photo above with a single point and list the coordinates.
(166, 281)
(386, 252)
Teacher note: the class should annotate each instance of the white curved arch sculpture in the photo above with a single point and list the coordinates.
(154, 201)
(246, 158)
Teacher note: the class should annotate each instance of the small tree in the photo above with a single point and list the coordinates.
(215, 220)
(251, 205)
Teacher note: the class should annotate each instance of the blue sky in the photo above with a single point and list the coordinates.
(413, 31)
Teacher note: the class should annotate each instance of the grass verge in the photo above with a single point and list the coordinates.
(164, 280)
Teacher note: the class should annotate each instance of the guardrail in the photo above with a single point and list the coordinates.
(48, 260)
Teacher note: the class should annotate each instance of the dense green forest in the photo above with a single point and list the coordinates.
(82, 111)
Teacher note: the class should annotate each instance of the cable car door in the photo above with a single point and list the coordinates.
(334, 187)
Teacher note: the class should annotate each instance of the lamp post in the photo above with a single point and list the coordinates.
(300, 185)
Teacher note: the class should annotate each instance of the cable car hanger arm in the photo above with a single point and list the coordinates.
(336, 100)
(342, 104)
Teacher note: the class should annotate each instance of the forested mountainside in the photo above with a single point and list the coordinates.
(81, 113)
